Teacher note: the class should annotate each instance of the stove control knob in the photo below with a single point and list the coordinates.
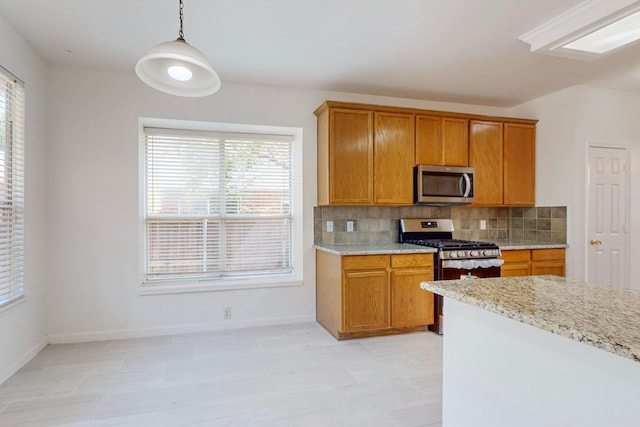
(474, 253)
(453, 254)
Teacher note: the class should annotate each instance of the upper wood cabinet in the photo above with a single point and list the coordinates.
(366, 153)
(365, 157)
(393, 147)
(503, 155)
(346, 149)
(442, 141)
(485, 155)
(519, 164)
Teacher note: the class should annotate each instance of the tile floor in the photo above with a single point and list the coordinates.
(290, 375)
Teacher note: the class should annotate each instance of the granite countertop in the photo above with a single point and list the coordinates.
(374, 249)
(509, 245)
(403, 248)
(604, 317)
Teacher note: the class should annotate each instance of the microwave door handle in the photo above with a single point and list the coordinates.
(467, 185)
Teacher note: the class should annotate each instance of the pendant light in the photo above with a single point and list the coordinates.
(177, 68)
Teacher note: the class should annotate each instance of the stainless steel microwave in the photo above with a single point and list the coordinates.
(444, 185)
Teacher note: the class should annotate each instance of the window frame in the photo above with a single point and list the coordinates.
(16, 200)
(186, 285)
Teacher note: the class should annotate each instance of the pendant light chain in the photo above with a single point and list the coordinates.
(181, 33)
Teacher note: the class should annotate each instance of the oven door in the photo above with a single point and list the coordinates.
(455, 270)
(468, 268)
(463, 273)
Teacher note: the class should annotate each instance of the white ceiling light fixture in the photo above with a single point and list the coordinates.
(177, 68)
(589, 30)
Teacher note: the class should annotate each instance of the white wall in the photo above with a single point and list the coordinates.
(22, 326)
(93, 209)
(570, 121)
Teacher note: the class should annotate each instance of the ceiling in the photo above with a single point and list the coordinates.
(464, 51)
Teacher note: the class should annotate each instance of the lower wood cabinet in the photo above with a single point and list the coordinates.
(366, 300)
(533, 262)
(365, 295)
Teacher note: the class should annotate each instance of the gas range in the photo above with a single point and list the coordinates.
(455, 258)
(438, 233)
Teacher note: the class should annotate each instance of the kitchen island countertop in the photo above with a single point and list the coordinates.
(601, 316)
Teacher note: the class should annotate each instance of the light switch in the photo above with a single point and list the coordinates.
(483, 224)
(349, 225)
(329, 226)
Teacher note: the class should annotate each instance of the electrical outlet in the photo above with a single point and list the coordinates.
(483, 224)
(329, 226)
(350, 225)
(227, 313)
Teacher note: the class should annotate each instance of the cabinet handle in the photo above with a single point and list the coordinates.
(595, 242)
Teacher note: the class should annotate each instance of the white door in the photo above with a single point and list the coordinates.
(607, 217)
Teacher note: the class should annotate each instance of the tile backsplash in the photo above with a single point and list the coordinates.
(380, 224)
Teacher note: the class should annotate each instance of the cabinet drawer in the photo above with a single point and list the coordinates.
(411, 260)
(556, 268)
(547, 254)
(516, 256)
(362, 262)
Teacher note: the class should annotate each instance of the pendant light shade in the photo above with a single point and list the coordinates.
(177, 68)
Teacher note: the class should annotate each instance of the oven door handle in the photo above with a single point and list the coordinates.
(470, 264)
(465, 188)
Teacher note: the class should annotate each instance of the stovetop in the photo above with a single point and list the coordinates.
(438, 233)
(447, 244)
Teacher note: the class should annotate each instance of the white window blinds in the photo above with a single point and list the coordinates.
(217, 204)
(12, 110)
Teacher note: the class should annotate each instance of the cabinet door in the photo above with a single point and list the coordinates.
(428, 140)
(516, 263)
(485, 155)
(519, 164)
(515, 269)
(548, 267)
(455, 141)
(411, 305)
(393, 159)
(350, 156)
(548, 261)
(366, 300)
(442, 141)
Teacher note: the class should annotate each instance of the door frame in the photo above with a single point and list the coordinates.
(587, 216)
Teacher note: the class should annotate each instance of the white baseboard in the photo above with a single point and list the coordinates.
(172, 330)
(18, 364)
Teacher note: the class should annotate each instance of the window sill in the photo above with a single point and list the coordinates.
(152, 288)
(8, 307)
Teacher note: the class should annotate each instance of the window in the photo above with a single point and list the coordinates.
(218, 205)
(11, 188)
